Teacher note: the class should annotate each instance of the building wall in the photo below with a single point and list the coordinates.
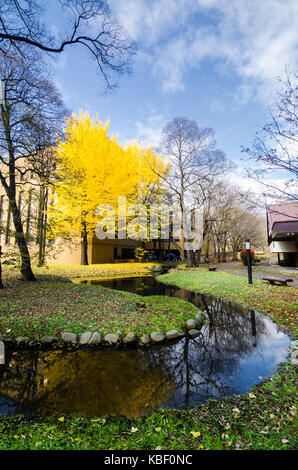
(296, 242)
(60, 252)
(65, 253)
(107, 251)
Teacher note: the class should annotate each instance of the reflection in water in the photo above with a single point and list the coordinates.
(95, 383)
(234, 351)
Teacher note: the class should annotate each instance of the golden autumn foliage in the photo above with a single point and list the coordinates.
(95, 169)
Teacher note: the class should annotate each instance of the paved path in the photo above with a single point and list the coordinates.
(260, 271)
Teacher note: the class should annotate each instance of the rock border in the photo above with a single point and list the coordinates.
(93, 339)
(88, 338)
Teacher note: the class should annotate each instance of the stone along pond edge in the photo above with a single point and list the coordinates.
(93, 339)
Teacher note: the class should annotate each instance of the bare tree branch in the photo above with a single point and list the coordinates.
(275, 147)
(87, 23)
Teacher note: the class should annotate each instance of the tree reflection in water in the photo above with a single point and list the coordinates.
(232, 352)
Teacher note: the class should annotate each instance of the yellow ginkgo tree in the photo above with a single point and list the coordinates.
(94, 169)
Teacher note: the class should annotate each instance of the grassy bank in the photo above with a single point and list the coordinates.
(53, 307)
(279, 302)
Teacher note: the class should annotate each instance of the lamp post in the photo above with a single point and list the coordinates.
(247, 246)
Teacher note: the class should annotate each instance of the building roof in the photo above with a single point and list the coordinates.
(282, 218)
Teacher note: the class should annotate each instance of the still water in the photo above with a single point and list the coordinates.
(236, 349)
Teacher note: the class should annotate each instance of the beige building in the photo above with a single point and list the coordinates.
(33, 198)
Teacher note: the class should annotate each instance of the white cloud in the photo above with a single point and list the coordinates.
(254, 40)
(149, 133)
(151, 20)
(274, 184)
(216, 106)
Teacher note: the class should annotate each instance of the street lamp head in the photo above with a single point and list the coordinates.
(247, 244)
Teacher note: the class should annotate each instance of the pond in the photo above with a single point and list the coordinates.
(236, 349)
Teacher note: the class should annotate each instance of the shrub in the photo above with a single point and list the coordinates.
(244, 256)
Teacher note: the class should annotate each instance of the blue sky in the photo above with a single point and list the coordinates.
(214, 61)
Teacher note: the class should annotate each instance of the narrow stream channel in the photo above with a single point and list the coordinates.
(236, 349)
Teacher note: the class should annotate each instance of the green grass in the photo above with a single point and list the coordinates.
(263, 419)
(279, 302)
(51, 308)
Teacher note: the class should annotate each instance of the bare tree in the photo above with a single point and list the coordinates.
(195, 162)
(245, 225)
(275, 147)
(86, 23)
(31, 113)
(233, 219)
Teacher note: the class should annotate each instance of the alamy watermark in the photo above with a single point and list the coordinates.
(149, 222)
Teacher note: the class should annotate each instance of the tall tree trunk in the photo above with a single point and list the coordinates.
(188, 258)
(224, 249)
(199, 251)
(207, 248)
(42, 247)
(214, 247)
(84, 247)
(42, 225)
(26, 269)
(198, 257)
(224, 253)
(218, 250)
(10, 189)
